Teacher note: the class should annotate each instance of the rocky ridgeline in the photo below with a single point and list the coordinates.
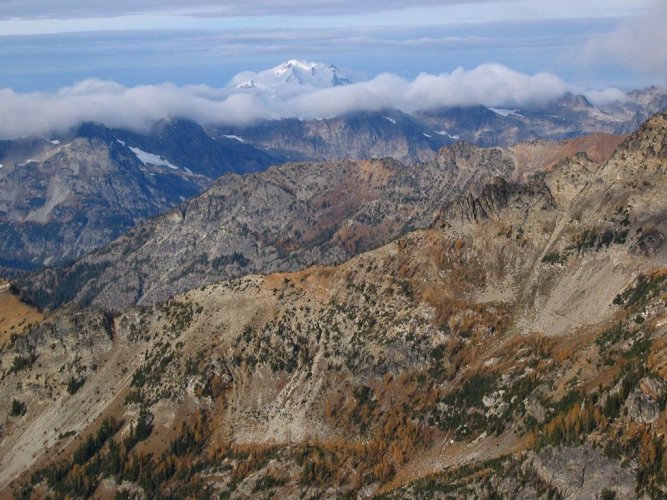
(284, 219)
(413, 138)
(61, 199)
(516, 351)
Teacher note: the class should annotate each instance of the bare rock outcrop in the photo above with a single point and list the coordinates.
(582, 472)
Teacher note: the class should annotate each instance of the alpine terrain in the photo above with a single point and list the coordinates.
(491, 322)
(63, 197)
(70, 193)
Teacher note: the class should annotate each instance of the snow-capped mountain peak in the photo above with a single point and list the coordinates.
(311, 73)
(293, 73)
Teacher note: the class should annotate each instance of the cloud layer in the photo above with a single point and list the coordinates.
(639, 43)
(37, 9)
(115, 105)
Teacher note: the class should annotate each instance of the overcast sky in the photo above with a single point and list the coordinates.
(588, 45)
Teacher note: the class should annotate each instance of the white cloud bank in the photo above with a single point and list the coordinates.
(68, 9)
(639, 43)
(115, 105)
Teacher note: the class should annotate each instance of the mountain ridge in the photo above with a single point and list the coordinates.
(497, 355)
(202, 155)
(74, 194)
(286, 218)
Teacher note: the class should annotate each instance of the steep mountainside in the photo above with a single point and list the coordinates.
(176, 160)
(286, 218)
(360, 136)
(515, 348)
(417, 137)
(59, 199)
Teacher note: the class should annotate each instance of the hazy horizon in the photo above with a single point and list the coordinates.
(130, 63)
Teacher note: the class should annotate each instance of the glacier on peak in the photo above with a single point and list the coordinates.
(294, 73)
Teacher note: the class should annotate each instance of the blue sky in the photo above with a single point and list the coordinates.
(45, 45)
(131, 62)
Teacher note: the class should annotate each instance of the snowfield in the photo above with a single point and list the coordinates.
(151, 159)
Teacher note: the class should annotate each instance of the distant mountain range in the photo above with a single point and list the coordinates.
(417, 137)
(290, 217)
(63, 196)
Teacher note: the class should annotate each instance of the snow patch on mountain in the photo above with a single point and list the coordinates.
(505, 112)
(151, 159)
(447, 134)
(293, 74)
(237, 138)
(390, 120)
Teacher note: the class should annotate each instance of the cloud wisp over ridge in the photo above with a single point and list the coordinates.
(137, 108)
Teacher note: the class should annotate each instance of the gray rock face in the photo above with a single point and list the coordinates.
(535, 409)
(418, 137)
(61, 199)
(643, 402)
(642, 408)
(359, 135)
(582, 473)
(499, 194)
(284, 219)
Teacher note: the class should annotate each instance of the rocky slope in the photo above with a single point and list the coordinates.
(59, 199)
(360, 135)
(285, 219)
(178, 159)
(515, 348)
(418, 137)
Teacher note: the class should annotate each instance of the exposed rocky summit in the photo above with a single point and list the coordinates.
(583, 472)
